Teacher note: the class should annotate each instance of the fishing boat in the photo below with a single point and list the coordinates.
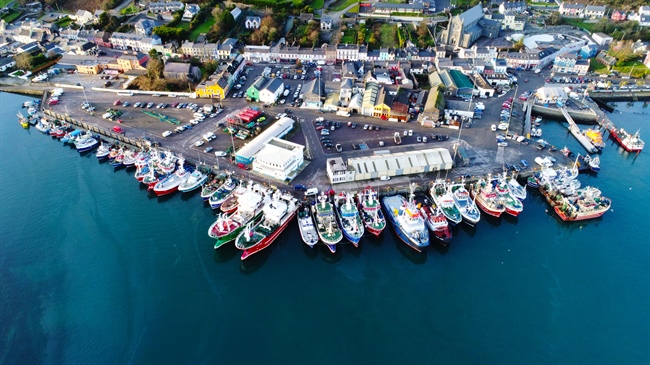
(228, 226)
(167, 164)
(209, 188)
(349, 218)
(196, 179)
(24, 122)
(117, 161)
(43, 126)
(467, 207)
(596, 137)
(486, 197)
(307, 229)
(71, 136)
(222, 193)
(130, 156)
(86, 144)
(566, 151)
(277, 214)
(370, 209)
(586, 204)
(592, 162)
(103, 151)
(142, 171)
(151, 179)
(171, 182)
(445, 201)
(407, 221)
(513, 205)
(328, 230)
(437, 223)
(629, 142)
(516, 189)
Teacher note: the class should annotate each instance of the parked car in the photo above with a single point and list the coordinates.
(300, 187)
(166, 133)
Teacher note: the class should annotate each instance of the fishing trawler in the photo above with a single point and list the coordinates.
(445, 201)
(486, 198)
(467, 207)
(307, 229)
(436, 222)
(370, 209)
(629, 142)
(328, 229)
(349, 218)
(227, 227)
(407, 220)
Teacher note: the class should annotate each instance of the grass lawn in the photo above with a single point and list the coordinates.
(579, 24)
(597, 67)
(349, 36)
(342, 4)
(354, 9)
(317, 4)
(62, 23)
(11, 16)
(4, 3)
(388, 35)
(129, 10)
(183, 25)
(203, 28)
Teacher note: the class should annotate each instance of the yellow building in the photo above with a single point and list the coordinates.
(214, 89)
(88, 69)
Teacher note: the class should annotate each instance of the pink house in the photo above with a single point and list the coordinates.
(618, 16)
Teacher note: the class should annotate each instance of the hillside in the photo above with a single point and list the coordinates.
(90, 5)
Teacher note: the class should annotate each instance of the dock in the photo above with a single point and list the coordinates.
(575, 131)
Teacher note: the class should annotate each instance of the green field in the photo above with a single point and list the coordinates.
(349, 36)
(318, 4)
(388, 35)
(579, 24)
(11, 16)
(129, 10)
(62, 23)
(342, 4)
(184, 25)
(203, 28)
(354, 9)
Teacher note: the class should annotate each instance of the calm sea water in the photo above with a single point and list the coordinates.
(93, 269)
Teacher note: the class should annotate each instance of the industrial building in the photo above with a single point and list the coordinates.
(389, 164)
(280, 128)
(279, 159)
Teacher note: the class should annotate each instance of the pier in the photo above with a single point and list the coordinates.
(575, 131)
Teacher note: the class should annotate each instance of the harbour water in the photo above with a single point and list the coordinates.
(94, 269)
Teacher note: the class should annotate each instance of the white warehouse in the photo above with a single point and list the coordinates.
(392, 164)
(277, 130)
(279, 159)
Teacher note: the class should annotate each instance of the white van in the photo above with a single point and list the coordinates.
(384, 178)
(311, 192)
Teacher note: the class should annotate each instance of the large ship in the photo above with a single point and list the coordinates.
(445, 201)
(585, 204)
(171, 183)
(227, 227)
(349, 217)
(513, 205)
(222, 193)
(486, 197)
(196, 179)
(466, 206)
(407, 221)
(307, 229)
(629, 142)
(277, 213)
(437, 223)
(328, 230)
(370, 209)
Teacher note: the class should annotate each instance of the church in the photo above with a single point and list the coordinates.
(464, 29)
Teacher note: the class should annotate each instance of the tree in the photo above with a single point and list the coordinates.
(554, 19)
(155, 68)
(298, 63)
(24, 61)
(153, 54)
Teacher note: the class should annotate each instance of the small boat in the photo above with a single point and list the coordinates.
(86, 144)
(196, 179)
(209, 188)
(328, 229)
(43, 126)
(130, 156)
(349, 218)
(71, 136)
(141, 172)
(592, 162)
(437, 223)
(24, 122)
(277, 214)
(117, 161)
(407, 221)
(103, 151)
(307, 229)
(596, 137)
(231, 203)
(370, 209)
(566, 152)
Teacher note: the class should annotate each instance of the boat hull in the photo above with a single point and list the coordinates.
(579, 217)
(268, 240)
(389, 206)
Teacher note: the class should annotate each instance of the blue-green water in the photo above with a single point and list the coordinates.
(95, 270)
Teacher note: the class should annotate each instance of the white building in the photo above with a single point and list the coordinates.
(252, 22)
(602, 38)
(83, 16)
(190, 12)
(338, 171)
(277, 130)
(594, 11)
(279, 159)
(390, 164)
(236, 13)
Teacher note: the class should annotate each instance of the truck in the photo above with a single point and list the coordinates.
(342, 113)
(397, 138)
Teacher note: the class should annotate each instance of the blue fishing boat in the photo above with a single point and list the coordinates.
(407, 221)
